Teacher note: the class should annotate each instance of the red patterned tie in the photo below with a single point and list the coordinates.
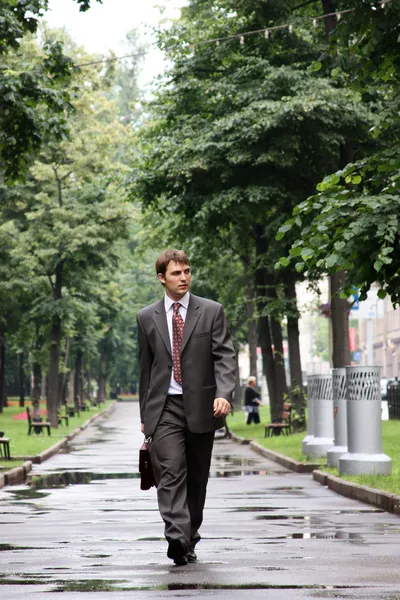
(177, 333)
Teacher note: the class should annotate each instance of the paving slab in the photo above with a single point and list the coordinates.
(81, 528)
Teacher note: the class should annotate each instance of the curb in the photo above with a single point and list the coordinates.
(239, 440)
(289, 463)
(383, 500)
(18, 474)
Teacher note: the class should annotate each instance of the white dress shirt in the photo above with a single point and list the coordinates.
(174, 386)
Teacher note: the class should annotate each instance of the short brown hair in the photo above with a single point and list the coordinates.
(170, 255)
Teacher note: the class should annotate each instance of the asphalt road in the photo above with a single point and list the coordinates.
(82, 529)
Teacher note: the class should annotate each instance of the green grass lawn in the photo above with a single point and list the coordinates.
(391, 447)
(291, 446)
(24, 445)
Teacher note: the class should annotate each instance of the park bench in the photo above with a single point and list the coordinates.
(4, 446)
(36, 425)
(71, 409)
(62, 417)
(283, 424)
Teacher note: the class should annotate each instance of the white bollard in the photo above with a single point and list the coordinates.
(323, 416)
(310, 419)
(364, 425)
(339, 417)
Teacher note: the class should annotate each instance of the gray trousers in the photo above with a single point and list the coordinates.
(182, 465)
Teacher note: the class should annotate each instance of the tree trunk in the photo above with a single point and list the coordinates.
(70, 389)
(251, 326)
(43, 388)
(277, 340)
(3, 402)
(63, 384)
(339, 308)
(21, 377)
(328, 7)
(55, 341)
(78, 395)
(279, 358)
(102, 389)
(340, 323)
(264, 338)
(36, 389)
(102, 377)
(237, 397)
(296, 376)
(264, 331)
(89, 384)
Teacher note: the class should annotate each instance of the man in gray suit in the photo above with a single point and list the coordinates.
(187, 378)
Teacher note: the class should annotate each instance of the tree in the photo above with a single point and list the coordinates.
(240, 134)
(33, 99)
(70, 212)
(351, 224)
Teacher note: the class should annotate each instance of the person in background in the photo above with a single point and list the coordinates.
(252, 401)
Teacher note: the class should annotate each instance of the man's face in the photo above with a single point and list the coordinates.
(176, 280)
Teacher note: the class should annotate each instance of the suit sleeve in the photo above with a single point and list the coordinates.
(145, 363)
(224, 357)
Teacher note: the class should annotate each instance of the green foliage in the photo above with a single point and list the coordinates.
(240, 134)
(351, 224)
(33, 94)
(62, 230)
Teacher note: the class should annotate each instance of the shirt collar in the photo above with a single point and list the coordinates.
(184, 301)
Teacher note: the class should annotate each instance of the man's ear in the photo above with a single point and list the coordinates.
(161, 277)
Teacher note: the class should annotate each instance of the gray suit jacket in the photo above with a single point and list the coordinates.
(207, 363)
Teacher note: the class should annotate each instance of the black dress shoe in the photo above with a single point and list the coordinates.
(192, 556)
(178, 552)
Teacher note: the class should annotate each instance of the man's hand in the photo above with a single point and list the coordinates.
(221, 407)
(142, 427)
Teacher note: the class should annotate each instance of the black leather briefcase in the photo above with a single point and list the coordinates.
(145, 466)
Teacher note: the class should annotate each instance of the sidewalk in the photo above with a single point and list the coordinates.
(88, 531)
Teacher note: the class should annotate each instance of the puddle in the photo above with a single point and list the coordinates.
(27, 494)
(249, 586)
(107, 585)
(236, 460)
(113, 585)
(292, 491)
(258, 508)
(282, 518)
(65, 478)
(92, 585)
(327, 535)
(359, 511)
(225, 465)
(11, 548)
(235, 473)
(270, 569)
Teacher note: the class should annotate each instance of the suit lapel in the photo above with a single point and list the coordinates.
(192, 316)
(160, 319)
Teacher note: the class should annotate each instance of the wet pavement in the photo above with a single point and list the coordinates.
(82, 528)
